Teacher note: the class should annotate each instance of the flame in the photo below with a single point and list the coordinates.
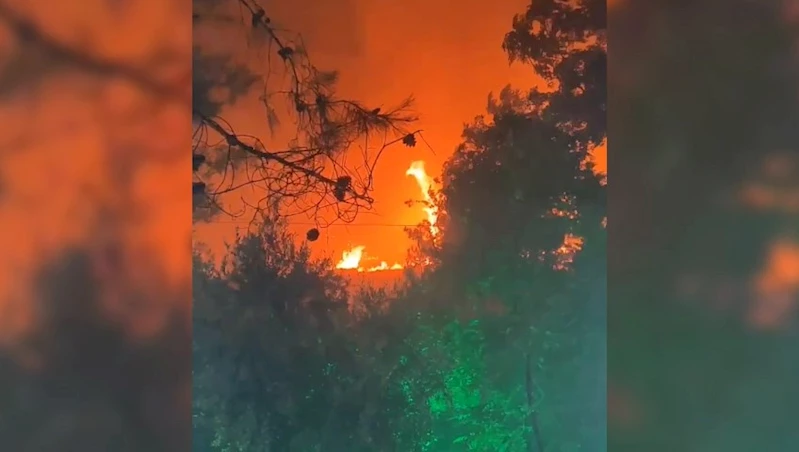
(351, 260)
(384, 266)
(565, 254)
(425, 182)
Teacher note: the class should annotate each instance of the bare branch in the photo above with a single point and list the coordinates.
(62, 54)
(310, 174)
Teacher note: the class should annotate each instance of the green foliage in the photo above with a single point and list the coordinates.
(466, 412)
(497, 347)
(515, 187)
(268, 340)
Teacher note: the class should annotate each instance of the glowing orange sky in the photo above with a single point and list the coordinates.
(446, 53)
(61, 133)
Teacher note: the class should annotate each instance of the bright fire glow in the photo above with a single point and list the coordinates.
(351, 260)
(425, 182)
(565, 254)
(384, 266)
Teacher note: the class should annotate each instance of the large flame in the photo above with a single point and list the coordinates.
(425, 182)
(351, 260)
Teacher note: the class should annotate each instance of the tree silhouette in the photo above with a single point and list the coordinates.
(303, 169)
(566, 43)
(513, 190)
(279, 363)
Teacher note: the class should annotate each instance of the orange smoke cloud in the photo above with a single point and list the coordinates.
(425, 182)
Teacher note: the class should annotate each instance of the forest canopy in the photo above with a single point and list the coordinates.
(498, 345)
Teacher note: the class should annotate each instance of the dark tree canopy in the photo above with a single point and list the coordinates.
(566, 42)
(511, 194)
(497, 346)
(280, 363)
(265, 325)
(521, 181)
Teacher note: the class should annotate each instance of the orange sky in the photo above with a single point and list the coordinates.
(446, 53)
(48, 201)
(63, 131)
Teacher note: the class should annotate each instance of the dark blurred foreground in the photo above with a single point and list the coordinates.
(94, 284)
(704, 265)
(82, 383)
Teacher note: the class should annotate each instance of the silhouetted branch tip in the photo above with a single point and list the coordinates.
(309, 175)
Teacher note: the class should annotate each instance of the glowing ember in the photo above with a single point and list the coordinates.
(425, 182)
(565, 254)
(351, 260)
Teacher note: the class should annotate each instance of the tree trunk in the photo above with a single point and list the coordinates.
(534, 441)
